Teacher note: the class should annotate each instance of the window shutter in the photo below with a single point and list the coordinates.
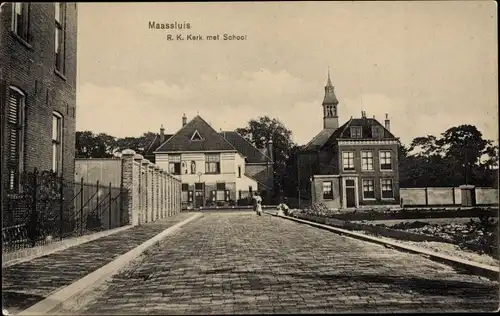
(13, 127)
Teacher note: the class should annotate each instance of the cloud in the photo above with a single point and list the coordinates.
(230, 101)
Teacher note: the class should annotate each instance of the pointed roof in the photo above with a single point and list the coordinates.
(329, 82)
(319, 140)
(366, 124)
(252, 153)
(330, 97)
(181, 141)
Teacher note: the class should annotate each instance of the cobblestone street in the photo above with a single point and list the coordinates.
(241, 263)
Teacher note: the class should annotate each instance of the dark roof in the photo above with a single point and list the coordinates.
(252, 154)
(150, 149)
(366, 124)
(319, 140)
(181, 141)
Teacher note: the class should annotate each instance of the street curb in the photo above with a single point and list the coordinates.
(23, 255)
(488, 271)
(69, 295)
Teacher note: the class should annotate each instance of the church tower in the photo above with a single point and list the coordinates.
(330, 102)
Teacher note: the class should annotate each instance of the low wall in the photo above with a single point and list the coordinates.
(486, 196)
(446, 196)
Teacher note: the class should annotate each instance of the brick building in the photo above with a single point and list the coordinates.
(218, 168)
(351, 165)
(38, 47)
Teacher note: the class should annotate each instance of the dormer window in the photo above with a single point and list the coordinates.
(356, 132)
(377, 132)
(196, 136)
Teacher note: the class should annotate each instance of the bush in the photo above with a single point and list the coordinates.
(319, 209)
(482, 236)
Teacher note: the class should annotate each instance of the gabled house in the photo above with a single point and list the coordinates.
(351, 165)
(215, 168)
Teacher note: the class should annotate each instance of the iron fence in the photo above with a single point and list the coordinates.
(48, 208)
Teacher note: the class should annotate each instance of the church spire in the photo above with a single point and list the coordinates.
(329, 82)
(330, 102)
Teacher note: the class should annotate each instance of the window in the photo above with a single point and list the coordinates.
(56, 142)
(377, 132)
(60, 36)
(239, 171)
(20, 19)
(330, 111)
(327, 190)
(221, 191)
(212, 163)
(386, 185)
(366, 160)
(385, 160)
(198, 186)
(15, 132)
(348, 160)
(174, 164)
(356, 132)
(196, 136)
(185, 187)
(368, 189)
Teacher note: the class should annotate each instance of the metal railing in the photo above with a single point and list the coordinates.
(47, 208)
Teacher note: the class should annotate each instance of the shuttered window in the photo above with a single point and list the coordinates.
(15, 131)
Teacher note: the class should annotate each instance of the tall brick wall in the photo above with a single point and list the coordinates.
(30, 67)
(153, 193)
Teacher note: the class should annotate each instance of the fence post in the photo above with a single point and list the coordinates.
(426, 196)
(81, 206)
(109, 207)
(98, 216)
(33, 215)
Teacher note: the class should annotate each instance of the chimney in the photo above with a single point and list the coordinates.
(270, 150)
(387, 122)
(162, 134)
(184, 119)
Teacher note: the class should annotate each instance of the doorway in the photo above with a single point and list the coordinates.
(350, 192)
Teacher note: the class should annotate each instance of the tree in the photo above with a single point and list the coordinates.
(138, 144)
(89, 145)
(460, 155)
(259, 131)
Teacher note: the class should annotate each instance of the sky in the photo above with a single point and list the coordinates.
(428, 65)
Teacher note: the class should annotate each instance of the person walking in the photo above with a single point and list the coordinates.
(257, 204)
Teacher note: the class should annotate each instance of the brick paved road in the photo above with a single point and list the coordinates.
(240, 263)
(27, 283)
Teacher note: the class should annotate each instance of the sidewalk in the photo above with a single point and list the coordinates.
(27, 283)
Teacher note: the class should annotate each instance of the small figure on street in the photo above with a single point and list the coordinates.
(257, 203)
